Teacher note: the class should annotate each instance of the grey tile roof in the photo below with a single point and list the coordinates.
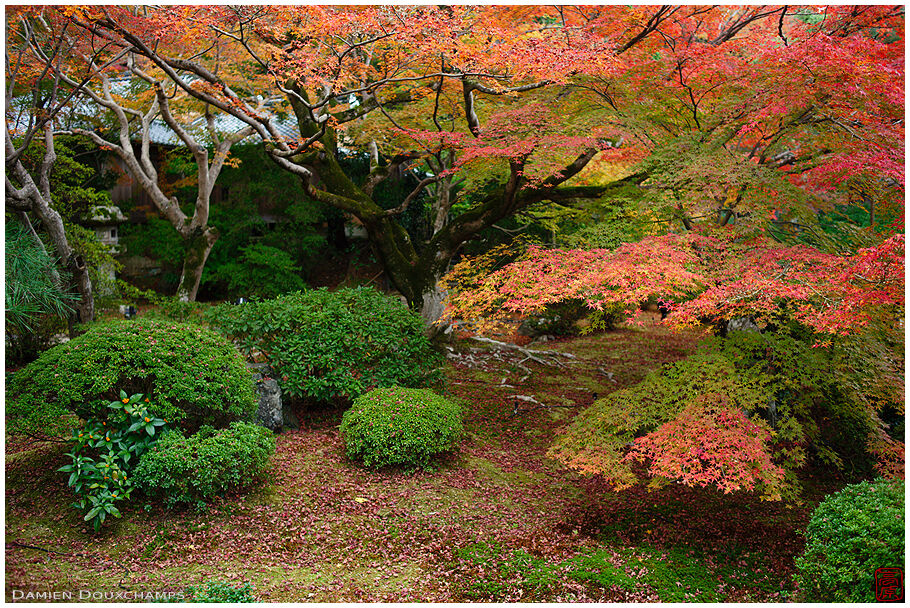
(225, 124)
(81, 112)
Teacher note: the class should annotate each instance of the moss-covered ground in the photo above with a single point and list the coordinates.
(494, 521)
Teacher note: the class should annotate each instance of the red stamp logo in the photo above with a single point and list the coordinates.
(889, 585)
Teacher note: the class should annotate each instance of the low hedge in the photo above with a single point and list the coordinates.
(326, 344)
(192, 470)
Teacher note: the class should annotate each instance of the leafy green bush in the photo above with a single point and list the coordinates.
(325, 344)
(102, 481)
(192, 375)
(192, 470)
(403, 426)
(850, 535)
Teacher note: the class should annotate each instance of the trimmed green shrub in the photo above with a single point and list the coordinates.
(850, 535)
(325, 344)
(194, 469)
(192, 375)
(400, 426)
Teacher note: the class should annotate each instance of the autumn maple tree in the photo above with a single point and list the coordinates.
(420, 71)
(778, 118)
(763, 140)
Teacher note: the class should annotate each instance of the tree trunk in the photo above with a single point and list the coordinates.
(432, 309)
(196, 251)
(73, 263)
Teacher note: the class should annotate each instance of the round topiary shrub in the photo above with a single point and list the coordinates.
(192, 470)
(400, 426)
(193, 376)
(325, 344)
(850, 535)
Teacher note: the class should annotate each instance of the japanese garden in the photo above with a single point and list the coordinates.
(454, 303)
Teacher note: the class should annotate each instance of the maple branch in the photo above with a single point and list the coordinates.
(40, 114)
(780, 25)
(380, 174)
(469, 113)
(662, 14)
(169, 65)
(468, 87)
(436, 105)
(741, 23)
(519, 89)
(410, 197)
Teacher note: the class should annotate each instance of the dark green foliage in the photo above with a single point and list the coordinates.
(76, 185)
(850, 535)
(116, 444)
(192, 375)
(325, 344)
(156, 239)
(35, 303)
(390, 192)
(194, 469)
(563, 318)
(559, 319)
(821, 395)
(101, 263)
(253, 190)
(399, 426)
(30, 287)
(262, 271)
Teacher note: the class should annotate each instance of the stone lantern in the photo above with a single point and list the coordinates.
(105, 220)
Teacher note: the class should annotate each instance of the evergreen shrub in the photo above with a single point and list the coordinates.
(400, 426)
(192, 470)
(850, 535)
(325, 344)
(193, 376)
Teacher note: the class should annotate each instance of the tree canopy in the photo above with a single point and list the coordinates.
(717, 114)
